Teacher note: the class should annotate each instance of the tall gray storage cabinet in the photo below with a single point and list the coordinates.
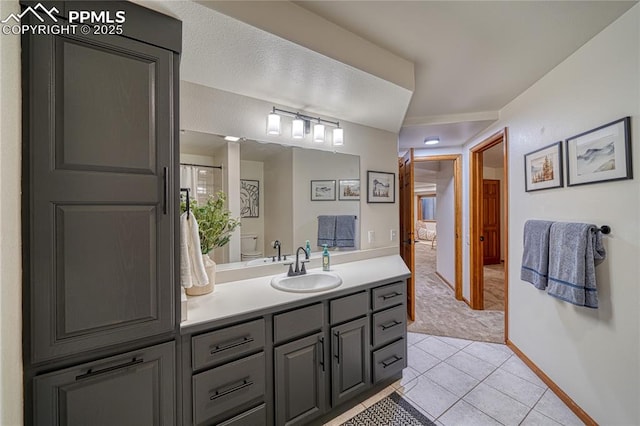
(100, 219)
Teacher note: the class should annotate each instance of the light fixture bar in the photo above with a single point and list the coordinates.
(306, 117)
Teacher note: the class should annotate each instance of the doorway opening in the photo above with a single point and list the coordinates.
(431, 229)
(488, 231)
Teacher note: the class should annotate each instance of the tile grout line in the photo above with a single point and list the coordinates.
(531, 409)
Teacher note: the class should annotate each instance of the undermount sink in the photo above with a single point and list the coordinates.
(310, 282)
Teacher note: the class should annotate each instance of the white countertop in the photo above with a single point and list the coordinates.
(256, 294)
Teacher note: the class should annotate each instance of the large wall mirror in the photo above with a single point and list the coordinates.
(277, 191)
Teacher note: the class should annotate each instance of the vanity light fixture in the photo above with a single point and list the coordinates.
(297, 128)
(301, 126)
(338, 136)
(231, 138)
(318, 132)
(273, 123)
(431, 141)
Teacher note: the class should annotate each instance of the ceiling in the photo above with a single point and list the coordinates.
(471, 57)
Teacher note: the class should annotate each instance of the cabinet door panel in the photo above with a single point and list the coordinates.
(300, 380)
(136, 388)
(101, 217)
(106, 122)
(351, 368)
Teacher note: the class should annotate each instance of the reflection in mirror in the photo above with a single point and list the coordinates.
(269, 188)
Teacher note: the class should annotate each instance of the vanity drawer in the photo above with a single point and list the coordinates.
(389, 325)
(388, 295)
(254, 417)
(228, 343)
(227, 387)
(389, 360)
(297, 323)
(349, 307)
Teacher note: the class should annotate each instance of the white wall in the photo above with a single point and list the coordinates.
(254, 170)
(319, 165)
(497, 173)
(214, 111)
(10, 238)
(446, 222)
(593, 355)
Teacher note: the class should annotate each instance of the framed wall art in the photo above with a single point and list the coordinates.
(323, 190)
(600, 155)
(249, 198)
(543, 168)
(381, 187)
(349, 189)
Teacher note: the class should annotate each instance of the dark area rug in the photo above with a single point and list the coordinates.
(393, 410)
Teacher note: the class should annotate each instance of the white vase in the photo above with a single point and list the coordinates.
(210, 268)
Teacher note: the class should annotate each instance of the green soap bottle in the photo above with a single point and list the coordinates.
(325, 258)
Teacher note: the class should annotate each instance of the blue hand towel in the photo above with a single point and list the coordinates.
(575, 249)
(535, 257)
(345, 231)
(326, 231)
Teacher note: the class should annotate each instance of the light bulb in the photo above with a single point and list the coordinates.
(273, 124)
(338, 136)
(297, 128)
(318, 133)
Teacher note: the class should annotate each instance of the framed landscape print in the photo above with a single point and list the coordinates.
(249, 198)
(543, 168)
(349, 189)
(600, 155)
(323, 190)
(381, 187)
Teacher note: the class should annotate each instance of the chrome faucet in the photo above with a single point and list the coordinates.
(276, 245)
(299, 270)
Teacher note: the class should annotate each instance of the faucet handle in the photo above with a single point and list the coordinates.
(303, 270)
(290, 272)
(284, 256)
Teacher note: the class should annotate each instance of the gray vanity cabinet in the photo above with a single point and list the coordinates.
(300, 380)
(293, 364)
(135, 388)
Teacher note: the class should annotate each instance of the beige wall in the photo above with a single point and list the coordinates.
(319, 165)
(278, 206)
(445, 207)
(214, 111)
(10, 238)
(593, 355)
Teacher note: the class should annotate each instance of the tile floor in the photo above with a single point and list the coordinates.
(462, 382)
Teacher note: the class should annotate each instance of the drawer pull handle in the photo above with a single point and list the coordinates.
(165, 189)
(390, 295)
(221, 348)
(218, 394)
(321, 346)
(390, 325)
(386, 363)
(91, 373)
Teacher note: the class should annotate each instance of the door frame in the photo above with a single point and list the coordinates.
(457, 191)
(476, 271)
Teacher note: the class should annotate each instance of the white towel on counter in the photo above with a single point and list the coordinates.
(192, 272)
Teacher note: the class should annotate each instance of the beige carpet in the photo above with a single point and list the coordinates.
(439, 313)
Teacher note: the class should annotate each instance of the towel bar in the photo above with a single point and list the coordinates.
(605, 229)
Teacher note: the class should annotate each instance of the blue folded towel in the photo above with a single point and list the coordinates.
(535, 257)
(326, 231)
(575, 249)
(345, 231)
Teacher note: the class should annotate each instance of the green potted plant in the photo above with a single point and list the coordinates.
(215, 226)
